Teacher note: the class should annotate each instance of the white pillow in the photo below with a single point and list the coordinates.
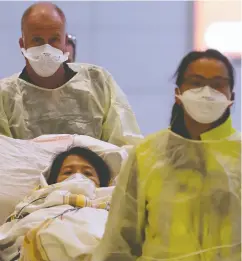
(112, 154)
(22, 161)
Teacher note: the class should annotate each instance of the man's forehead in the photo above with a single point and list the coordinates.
(44, 17)
(35, 26)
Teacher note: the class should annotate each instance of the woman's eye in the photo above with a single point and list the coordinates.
(88, 173)
(67, 173)
(196, 83)
(217, 85)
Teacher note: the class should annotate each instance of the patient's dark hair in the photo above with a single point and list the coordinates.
(96, 161)
(177, 116)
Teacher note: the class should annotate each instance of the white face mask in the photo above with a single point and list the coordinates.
(77, 176)
(45, 59)
(79, 184)
(205, 104)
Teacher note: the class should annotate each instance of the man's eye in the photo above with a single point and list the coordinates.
(55, 39)
(37, 39)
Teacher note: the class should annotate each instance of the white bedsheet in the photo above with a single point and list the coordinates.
(70, 236)
(22, 162)
(73, 237)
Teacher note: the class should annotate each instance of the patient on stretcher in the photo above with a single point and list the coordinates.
(64, 218)
(81, 161)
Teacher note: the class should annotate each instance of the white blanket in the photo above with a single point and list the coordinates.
(22, 161)
(69, 218)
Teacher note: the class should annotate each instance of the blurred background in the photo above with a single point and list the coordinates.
(140, 44)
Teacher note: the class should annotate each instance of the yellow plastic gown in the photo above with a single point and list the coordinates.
(91, 103)
(177, 200)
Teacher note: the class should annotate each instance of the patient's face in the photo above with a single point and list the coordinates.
(76, 164)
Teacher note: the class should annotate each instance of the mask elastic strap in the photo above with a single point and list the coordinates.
(175, 104)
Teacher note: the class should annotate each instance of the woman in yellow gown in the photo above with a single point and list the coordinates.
(178, 196)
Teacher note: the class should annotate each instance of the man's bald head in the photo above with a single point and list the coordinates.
(43, 23)
(44, 9)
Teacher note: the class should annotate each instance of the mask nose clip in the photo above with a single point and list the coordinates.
(206, 91)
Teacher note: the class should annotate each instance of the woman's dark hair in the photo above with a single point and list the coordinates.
(96, 161)
(177, 116)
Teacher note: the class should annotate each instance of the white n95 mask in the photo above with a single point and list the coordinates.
(78, 176)
(205, 104)
(45, 59)
(80, 184)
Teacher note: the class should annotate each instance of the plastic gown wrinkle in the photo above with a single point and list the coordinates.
(120, 112)
(91, 103)
(121, 241)
(191, 192)
(4, 126)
